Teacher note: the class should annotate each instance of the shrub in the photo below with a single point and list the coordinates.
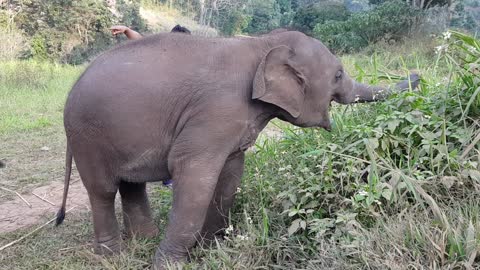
(265, 16)
(307, 17)
(72, 31)
(234, 22)
(392, 19)
(13, 43)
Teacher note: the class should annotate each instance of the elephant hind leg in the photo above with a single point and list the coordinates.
(107, 233)
(102, 189)
(137, 216)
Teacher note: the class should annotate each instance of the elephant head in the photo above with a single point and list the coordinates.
(303, 77)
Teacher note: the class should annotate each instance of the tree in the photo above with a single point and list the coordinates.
(307, 17)
(265, 16)
(421, 4)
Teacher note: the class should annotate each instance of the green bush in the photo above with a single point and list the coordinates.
(265, 16)
(464, 52)
(72, 31)
(234, 22)
(391, 20)
(414, 155)
(307, 17)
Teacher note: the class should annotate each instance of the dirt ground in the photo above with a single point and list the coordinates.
(42, 202)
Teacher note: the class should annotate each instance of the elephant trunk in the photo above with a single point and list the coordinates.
(364, 93)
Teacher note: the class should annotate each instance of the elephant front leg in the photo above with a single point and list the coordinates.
(228, 183)
(137, 216)
(193, 187)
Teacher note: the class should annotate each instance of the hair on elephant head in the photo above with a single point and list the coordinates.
(180, 29)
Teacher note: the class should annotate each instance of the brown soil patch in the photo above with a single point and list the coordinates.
(16, 214)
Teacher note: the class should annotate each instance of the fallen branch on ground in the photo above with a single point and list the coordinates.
(43, 199)
(18, 194)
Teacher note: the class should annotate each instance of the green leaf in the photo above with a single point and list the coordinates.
(387, 194)
(294, 227)
(292, 212)
(393, 124)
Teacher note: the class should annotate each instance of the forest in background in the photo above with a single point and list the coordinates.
(73, 32)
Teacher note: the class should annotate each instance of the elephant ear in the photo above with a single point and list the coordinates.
(278, 82)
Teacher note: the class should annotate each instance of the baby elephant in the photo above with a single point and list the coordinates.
(187, 107)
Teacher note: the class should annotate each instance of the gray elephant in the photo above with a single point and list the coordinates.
(187, 107)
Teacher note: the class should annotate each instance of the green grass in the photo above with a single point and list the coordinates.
(393, 186)
(32, 94)
(32, 97)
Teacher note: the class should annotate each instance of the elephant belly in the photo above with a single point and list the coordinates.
(149, 166)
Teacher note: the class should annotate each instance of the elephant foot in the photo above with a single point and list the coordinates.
(162, 261)
(108, 247)
(148, 230)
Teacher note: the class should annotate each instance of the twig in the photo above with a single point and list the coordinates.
(18, 194)
(471, 146)
(43, 199)
(32, 232)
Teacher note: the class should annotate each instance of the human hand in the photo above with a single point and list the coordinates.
(119, 29)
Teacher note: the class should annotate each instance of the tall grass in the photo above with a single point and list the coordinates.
(32, 94)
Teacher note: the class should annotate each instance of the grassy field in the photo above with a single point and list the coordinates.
(395, 185)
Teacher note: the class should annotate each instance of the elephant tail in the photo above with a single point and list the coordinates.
(68, 172)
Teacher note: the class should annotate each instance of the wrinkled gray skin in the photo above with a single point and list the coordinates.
(186, 108)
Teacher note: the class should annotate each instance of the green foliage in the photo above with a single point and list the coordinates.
(39, 48)
(32, 94)
(71, 31)
(416, 3)
(234, 22)
(464, 18)
(130, 10)
(265, 16)
(464, 52)
(413, 151)
(306, 18)
(390, 20)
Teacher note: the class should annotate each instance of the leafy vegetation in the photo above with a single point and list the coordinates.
(391, 20)
(323, 13)
(394, 184)
(68, 31)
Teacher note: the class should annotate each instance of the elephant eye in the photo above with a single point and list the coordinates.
(339, 75)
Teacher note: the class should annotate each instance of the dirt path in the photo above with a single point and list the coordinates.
(16, 214)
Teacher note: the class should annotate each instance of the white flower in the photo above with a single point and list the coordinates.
(239, 190)
(447, 35)
(241, 237)
(229, 230)
(441, 48)
(249, 220)
(438, 49)
(362, 193)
